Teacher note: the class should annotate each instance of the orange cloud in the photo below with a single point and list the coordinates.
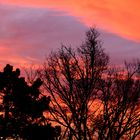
(122, 18)
(9, 55)
(27, 35)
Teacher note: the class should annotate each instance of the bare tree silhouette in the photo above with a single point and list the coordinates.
(89, 100)
(71, 79)
(83, 95)
(120, 114)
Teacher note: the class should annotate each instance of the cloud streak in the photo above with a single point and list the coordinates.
(29, 30)
(121, 18)
(28, 34)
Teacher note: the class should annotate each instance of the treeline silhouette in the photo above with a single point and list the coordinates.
(76, 95)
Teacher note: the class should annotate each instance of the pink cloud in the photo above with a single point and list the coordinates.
(29, 31)
(122, 18)
(27, 35)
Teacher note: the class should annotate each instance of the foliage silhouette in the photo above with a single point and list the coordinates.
(22, 108)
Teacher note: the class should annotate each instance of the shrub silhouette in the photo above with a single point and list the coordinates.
(22, 108)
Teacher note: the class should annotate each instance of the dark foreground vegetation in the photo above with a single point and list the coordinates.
(75, 96)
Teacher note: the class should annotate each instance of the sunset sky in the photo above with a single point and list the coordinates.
(30, 29)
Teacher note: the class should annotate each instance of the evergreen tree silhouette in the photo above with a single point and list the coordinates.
(22, 108)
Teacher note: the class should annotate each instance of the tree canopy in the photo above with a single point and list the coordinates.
(84, 95)
(90, 100)
(22, 108)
